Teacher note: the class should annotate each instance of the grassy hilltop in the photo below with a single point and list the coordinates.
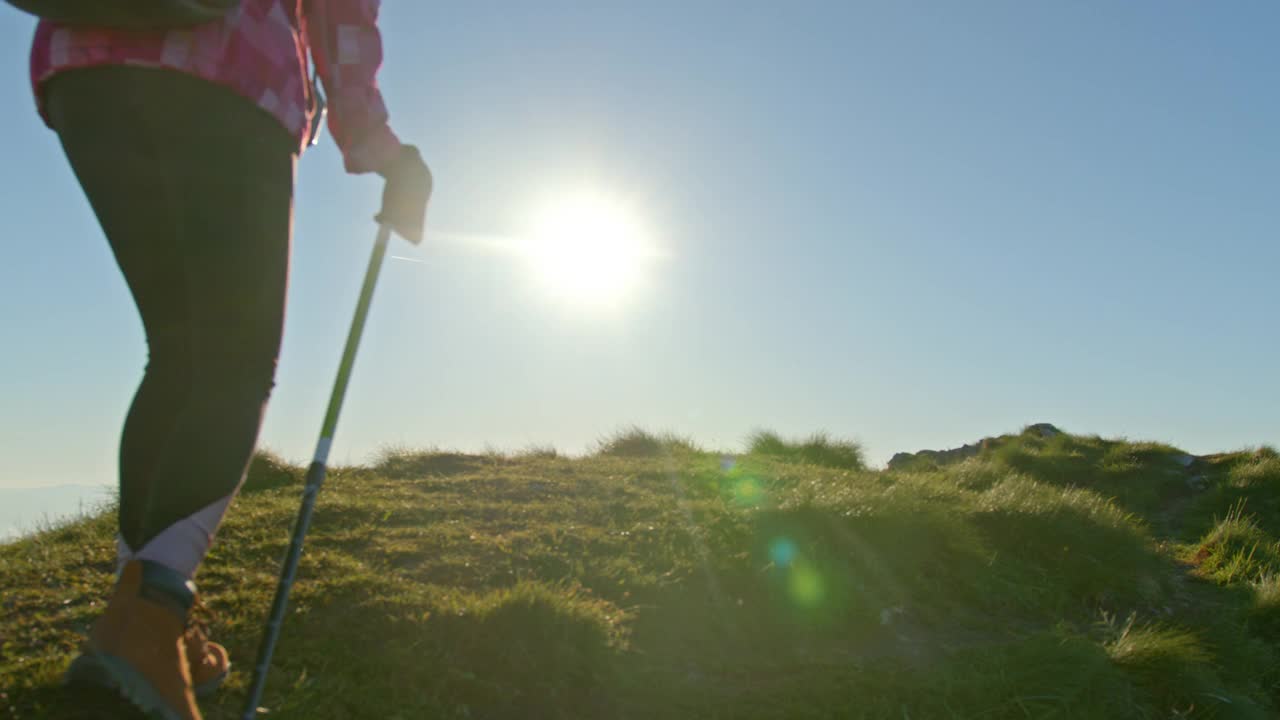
(1042, 577)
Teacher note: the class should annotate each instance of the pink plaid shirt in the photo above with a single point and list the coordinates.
(258, 51)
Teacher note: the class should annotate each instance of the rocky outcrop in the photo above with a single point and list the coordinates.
(1044, 430)
(904, 460)
(925, 458)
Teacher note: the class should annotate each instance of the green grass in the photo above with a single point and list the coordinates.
(1069, 577)
(818, 449)
(1238, 549)
(1139, 477)
(635, 442)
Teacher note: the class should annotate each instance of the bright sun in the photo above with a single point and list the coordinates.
(587, 248)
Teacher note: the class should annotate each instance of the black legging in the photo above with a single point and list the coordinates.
(193, 186)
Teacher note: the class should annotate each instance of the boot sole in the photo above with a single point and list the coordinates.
(100, 670)
(85, 672)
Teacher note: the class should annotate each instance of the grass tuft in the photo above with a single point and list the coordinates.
(1261, 469)
(1264, 615)
(539, 452)
(817, 449)
(1238, 549)
(267, 470)
(635, 442)
(1170, 667)
(397, 462)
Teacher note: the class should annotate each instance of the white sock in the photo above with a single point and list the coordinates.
(183, 545)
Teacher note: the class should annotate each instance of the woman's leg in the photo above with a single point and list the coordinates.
(193, 188)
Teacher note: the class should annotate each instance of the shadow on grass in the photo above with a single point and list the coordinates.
(391, 649)
(60, 703)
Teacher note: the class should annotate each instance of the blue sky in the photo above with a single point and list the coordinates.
(909, 223)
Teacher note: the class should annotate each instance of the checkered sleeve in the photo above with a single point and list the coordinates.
(347, 47)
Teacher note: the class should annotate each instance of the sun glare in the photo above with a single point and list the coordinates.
(587, 248)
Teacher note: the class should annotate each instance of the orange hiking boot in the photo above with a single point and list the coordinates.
(138, 647)
(207, 661)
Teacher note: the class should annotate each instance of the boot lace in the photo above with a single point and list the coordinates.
(199, 618)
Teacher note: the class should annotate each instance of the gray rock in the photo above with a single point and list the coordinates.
(1044, 430)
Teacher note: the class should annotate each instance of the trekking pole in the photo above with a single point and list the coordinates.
(315, 478)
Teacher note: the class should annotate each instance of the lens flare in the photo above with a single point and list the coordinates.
(747, 491)
(805, 586)
(782, 552)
